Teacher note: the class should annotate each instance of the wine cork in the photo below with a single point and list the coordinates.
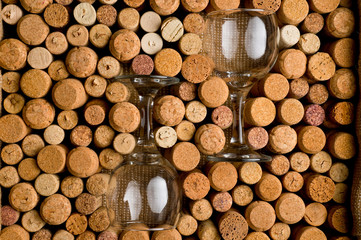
(192, 6)
(282, 139)
(117, 92)
(185, 90)
(290, 111)
(109, 235)
(95, 86)
(124, 117)
(250, 172)
(35, 83)
(313, 23)
(222, 176)
(341, 113)
(321, 67)
(150, 21)
(190, 44)
(281, 231)
(124, 45)
(185, 130)
(167, 234)
(87, 235)
(207, 230)
(168, 110)
(168, 62)
(260, 216)
(47, 184)
(54, 134)
(272, 6)
(201, 209)
(315, 214)
(67, 119)
(213, 92)
(69, 94)
(343, 52)
(309, 43)
(57, 70)
(124, 143)
(341, 145)
(324, 7)
(127, 235)
(321, 162)
(290, 208)
(63, 234)
(164, 8)
(142, 65)
(338, 172)
(14, 103)
(99, 35)
(172, 29)
(314, 115)
(299, 161)
(109, 2)
(98, 184)
(35, 6)
(257, 235)
(15, 232)
(56, 43)
(195, 185)
(223, 5)
(232, 225)
(11, 154)
(52, 158)
(279, 165)
(341, 193)
(95, 112)
(185, 156)
(340, 23)
(13, 54)
(257, 137)
(85, 14)
(107, 15)
(152, 43)
(71, 186)
(318, 94)
(76, 58)
(338, 219)
(242, 195)
(38, 113)
(194, 23)
(221, 201)
(311, 139)
(273, 86)
(39, 58)
(109, 67)
(292, 181)
(76, 224)
(77, 35)
(23, 197)
(210, 139)
(56, 15)
(346, 3)
(289, 36)
(28, 169)
(253, 109)
(12, 128)
(191, 71)
(11, 82)
(195, 111)
(222, 116)
(99, 220)
(82, 162)
(293, 11)
(129, 18)
(291, 63)
(103, 136)
(342, 85)
(319, 188)
(9, 176)
(165, 137)
(187, 225)
(11, 14)
(110, 159)
(42, 234)
(9, 216)
(32, 29)
(55, 209)
(269, 187)
(32, 222)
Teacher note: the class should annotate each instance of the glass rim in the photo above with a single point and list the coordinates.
(238, 10)
(153, 78)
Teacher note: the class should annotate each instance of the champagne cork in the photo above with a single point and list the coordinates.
(103, 136)
(309, 43)
(260, 216)
(273, 86)
(47, 184)
(279, 165)
(14, 103)
(11, 154)
(9, 176)
(36, 6)
(250, 172)
(201, 209)
(195, 185)
(343, 52)
(195, 111)
(321, 162)
(9, 216)
(321, 67)
(192, 6)
(87, 235)
(292, 181)
(207, 230)
(57, 70)
(110, 159)
(117, 92)
(39, 58)
(56, 15)
(290, 111)
(124, 143)
(319, 188)
(124, 117)
(85, 14)
(52, 158)
(164, 8)
(299, 161)
(98, 184)
(56, 43)
(311, 139)
(242, 195)
(172, 29)
(63, 234)
(124, 45)
(81, 62)
(82, 162)
(281, 231)
(55, 209)
(197, 68)
(23, 197)
(152, 43)
(109, 67)
(293, 11)
(313, 23)
(168, 110)
(99, 35)
(167, 62)
(13, 54)
(342, 85)
(142, 65)
(72, 186)
(99, 220)
(38, 113)
(76, 223)
(28, 169)
(185, 90)
(209, 139)
(43, 234)
(69, 94)
(222, 176)
(318, 94)
(338, 172)
(12, 128)
(190, 44)
(185, 130)
(194, 23)
(95, 86)
(15, 232)
(339, 219)
(54, 134)
(259, 111)
(187, 225)
(324, 6)
(268, 188)
(109, 235)
(232, 225)
(107, 15)
(167, 234)
(340, 23)
(129, 18)
(341, 145)
(11, 82)
(289, 36)
(282, 139)
(315, 214)
(32, 29)
(95, 111)
(185, 156)
(11, 14)
(341, 193)
(272, 6)
(290, 208)
(222, 5)
(150, 21)
(341, 113)
(67, 119)
(77, 35)
(128, 235)
(314, 115)
(291, 63)
(35, 83)
(32, 222)
(221, 201)
(213, 92)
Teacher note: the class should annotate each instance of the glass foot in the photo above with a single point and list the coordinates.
(239, 154)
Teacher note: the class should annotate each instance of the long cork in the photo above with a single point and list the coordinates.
(309, 43)
(310, 232)
(343, 52)
(232, 225)
(273, 86)
(63, 234)
(269, 188)
(242, 195)
(185, 156)
(279, 165)
(32, 222)
(190, 43)
(67, 119)
(52, 158)
(152, 43)
(311, 139)
(201, 209)
(167, 62)
(342, 85)
(95, 86)
(110, 159)
(86, 203)
(315, 214)
(168, 110)
(12, 154)
(98, 184)
(72, 186)
(194, 23)
(36, 6)
(9, 176)
(103, 136)
(339, 219)
(28, 169)
(14, 103)
(150, 21)
(324, 7)
(124, 143)
(15, 232)
(250, 172)
(340, 23)
(292, 181)
(107, 15)
(12, 128)
(187, 225)
(99, 220)
(42, 234)
(195, 185)
(47, 184)
(69, 94)
(32, 144)
(129, 18)
(282, 139)
(117, 92)
(290, 111)
(313, 23)
(56, 15)
(338, 172)
(109, 67)
(54, 134)
(299, 161)
(341, 113)
(128, 235)
(39, 58)
(291, 63)
(87, 235)
(321, 162)
(281, 231)
(290, 208)
(260, 111)
(81, 135)
(172, 29)
(124, 45)
(341, 145)
(23, 197)
(167, 234)
(9, 216)
(76, 224)
(195, 111)
(35, 83)
(260, 216)
(164, 8)
(32, 29)
(56, 43)
(207, 230)
(221, 201)
(119, 122)
(213, 92)
(55, 209)
(57, 70)
(11, 14)
(13, 55)
(319, 188)
(85, 14)
(11, 81)
(82, 162)
(321, 73)
(293, 11)
(272, 6)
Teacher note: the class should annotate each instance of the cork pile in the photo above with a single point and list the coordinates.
(65, 126)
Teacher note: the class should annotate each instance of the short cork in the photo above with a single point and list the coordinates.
(222, 176)
(168, 110)
(195, 111)
(81, 135)
(82, 162)
(340, 23)
(164, 8)
(142, 64)
(341, 193)
(124, 143)
(128, 235)
(124, 45)
(194, 23)
(56, 15)
(279, 165)
(131, 3)
(291, 63)
(12, 128)
(55, 209)
(129, 18)
(280, 231)
(309, 43)
(108, 67)
(76, 223)
(342, 84)
(9, 176)
(52, 158)
(57, 70)
(32, 222)
(12, 154)
(321, 66)
(341, 113)
(185, 130)
(210, 139)
(11, 81)
(321, 162)
(185, 156)
(85, 14)
(95, 86)
(222, 5)
(99, 35)
(221, 201)
(71, 186)
(13, 57)
(192, 6)
(292, 181)
(67, 119)
(293, 11)
(319, 188)
(75, 61)
(339, 172)
(343, 52)
(196, 68)
(271, 6)
(69, 94)
(290, 208)
(190, 44)
(299, 161)
(172, 29)
(32, 29)
(315, 214)
(47, 184)
(186, 91)
(35, 83)
(313, 23)
(15, 232)
(260, 216)
(77, 35)
(99, 220)
(322, 7)
(282, 139)
(28, 169)
(56, 43)
(314, 115)
(257, 137)
(14, 103)
(23, 197)
(269, 188)
(119, 122)
(103, 136)
(201, 209)
(150, 21)
(39, 58)
(86, 203)
(195, 184)
(338, 219)
(187, 225)
(260, 111)
(11, 14)
(9, 215)
(273, 86)
(232, 225)
(35, 6)
(311, 139)
(242, 195)
(290, 111)
(168, 62)
(250, 172)
(107, 15)
(98, 183)
(208, 230)
(117, 92)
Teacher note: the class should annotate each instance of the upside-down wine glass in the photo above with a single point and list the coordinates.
(243, 43)
(144, 192)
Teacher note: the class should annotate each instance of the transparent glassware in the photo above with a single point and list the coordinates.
(144, 191)
(243, 43)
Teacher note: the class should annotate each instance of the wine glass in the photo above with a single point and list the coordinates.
(144, 192)
(243, 44)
